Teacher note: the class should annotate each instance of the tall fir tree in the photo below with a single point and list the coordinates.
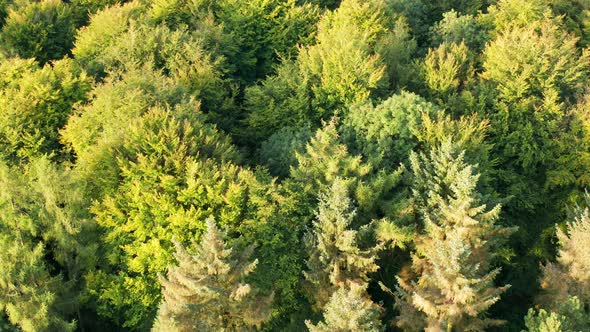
(452, 282)
(207, 290)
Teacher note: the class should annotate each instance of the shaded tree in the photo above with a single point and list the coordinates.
(42, 30)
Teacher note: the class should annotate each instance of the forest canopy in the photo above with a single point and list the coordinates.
(295, 165)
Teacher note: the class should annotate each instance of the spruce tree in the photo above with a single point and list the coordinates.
(570, 275)
(335, 260)
(349, 310)
(207, 290)
(452, 283)
(326, 158)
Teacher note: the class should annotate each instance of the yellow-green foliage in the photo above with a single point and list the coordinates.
(570, 275)
(35, 103)
(335, 258)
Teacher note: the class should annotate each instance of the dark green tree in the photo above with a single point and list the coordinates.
(41, 30)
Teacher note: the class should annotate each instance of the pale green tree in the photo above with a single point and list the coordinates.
(452, 280)
(207, 291)
(570, 274)
(570, 316)
(349, 310)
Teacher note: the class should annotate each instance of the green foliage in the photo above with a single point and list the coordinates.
(42, 30)
(447, 69)
(47, 242)
(576, 17)
(279, 151)
(207, 290)
(376, 107)
(168, 180)
(569, 317)
(386, 133)
(342, 68)
(251, 35)
(94, 41)
(35, 104)
(510, 14)
(396, 50)
(455, 28)
(28, 290)
(325, 159)
(570, 275)
(567, 171)
(535, 72)
(279, 101)
(175, 52)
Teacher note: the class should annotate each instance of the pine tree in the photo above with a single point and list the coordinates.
(452, 284)
(207, 291)
(349, 310)
(335, 260)
(570, 275)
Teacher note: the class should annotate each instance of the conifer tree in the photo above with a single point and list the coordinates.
(35, 102)
(349, 310)
(326, 158)
(569, 316)
(451, 284)
(336, 260)
(570, 275)
(41, 255)
(207, 290)
(41, 30)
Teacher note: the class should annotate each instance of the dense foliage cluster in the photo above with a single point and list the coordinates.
(292, 165)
